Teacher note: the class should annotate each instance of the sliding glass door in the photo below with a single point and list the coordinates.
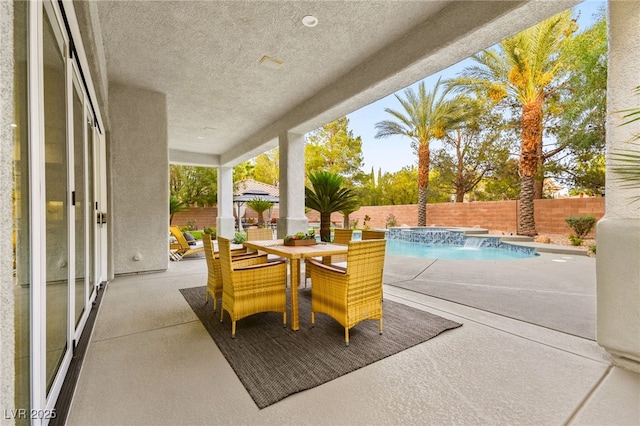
(59, 172)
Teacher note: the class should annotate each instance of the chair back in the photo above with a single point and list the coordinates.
(208, 252)
(342, 236)
(365, 263)
(373, 235)
(257, 234)
(226, 268)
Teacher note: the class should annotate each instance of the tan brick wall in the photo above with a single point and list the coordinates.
(206, 216)
(502, 216)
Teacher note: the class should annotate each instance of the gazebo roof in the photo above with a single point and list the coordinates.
(252, 185)
(253, 194)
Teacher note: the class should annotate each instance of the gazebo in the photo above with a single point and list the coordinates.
(241, 200)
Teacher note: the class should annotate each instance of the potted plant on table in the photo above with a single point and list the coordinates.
(301, 239)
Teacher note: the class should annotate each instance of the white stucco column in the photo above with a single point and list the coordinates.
(618, 233)
(225, 222)
(292, 218)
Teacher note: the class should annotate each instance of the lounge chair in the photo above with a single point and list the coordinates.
(182, 247)
(250, 289)
(352, 295)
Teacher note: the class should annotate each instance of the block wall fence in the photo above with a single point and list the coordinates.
(497, 216)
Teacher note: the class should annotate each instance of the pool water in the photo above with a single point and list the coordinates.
(443, 251)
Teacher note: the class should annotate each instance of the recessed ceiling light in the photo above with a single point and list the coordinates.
(310, 21)
(269, 62)
(200, 137)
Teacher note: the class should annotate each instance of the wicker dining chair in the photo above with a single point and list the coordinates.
(373, 235)
(214, 276)
(255, 234)
(250, 289)
(340, 236)
(352, 295)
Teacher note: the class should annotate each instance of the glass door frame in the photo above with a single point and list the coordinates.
(93, 155)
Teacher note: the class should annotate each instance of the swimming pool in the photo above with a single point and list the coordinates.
(453, 252)
(450, 243)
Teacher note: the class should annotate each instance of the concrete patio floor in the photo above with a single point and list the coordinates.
(151, 362)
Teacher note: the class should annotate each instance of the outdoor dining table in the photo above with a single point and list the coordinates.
(295, 254)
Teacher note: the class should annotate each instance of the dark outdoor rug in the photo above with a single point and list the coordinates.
(273, 362)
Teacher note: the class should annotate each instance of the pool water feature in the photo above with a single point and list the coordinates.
(449, 243)
(452, 252)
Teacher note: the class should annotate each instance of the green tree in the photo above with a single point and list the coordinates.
(260, 205)
(527, 69)
(580, 118)
(194, 186)
(472, 149)
(243, 171)
(425, 117)
(333, 148)
(327, 195)
(400, 187)
(267, 168)
(502, 183)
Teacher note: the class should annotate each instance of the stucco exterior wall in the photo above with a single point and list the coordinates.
(139, 159)
(617, 263)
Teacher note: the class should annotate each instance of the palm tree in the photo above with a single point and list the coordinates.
(426, 116)
(260, 205)
(627, 161)
(327, 196)
(175, 206)
(525, 71)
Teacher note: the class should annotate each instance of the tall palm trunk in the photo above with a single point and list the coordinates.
(423, 182)
(531, 135)
(325, 227)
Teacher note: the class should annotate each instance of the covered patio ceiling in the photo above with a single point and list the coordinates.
(224, 106)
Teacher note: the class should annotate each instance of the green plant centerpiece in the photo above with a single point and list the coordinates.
(301, 239)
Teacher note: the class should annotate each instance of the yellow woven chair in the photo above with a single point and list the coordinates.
(256, 234)
(352, 295)
(182, 248)
(248, 290)
(373, 235)
(340, 236)
(260, 234)
(214, 276)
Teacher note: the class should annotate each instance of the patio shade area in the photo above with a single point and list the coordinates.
(151, 361)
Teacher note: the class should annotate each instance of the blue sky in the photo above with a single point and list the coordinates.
(393, 153)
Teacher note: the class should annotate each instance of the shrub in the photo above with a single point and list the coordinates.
(211, 231)
(576, 241)
(581, 224)
(365, 224)
(592, 248)
(191, 225)
(391, 221)
(240, 237)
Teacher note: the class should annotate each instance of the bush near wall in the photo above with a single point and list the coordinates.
(501, 216)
